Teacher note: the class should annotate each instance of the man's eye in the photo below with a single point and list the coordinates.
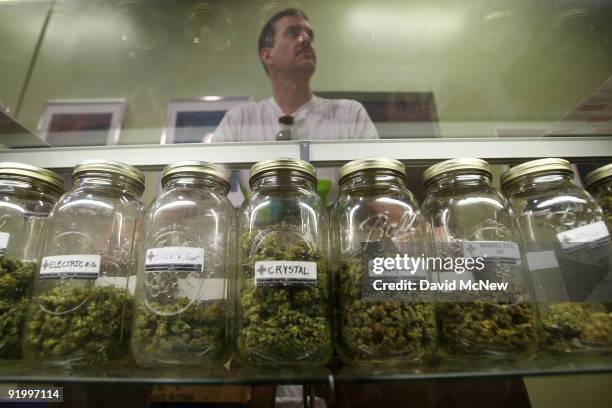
(293, 32)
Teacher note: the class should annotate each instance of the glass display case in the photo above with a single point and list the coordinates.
(505, 81)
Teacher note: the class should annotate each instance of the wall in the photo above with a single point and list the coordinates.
(490, 63)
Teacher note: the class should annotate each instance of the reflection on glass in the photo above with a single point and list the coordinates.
(502, 68)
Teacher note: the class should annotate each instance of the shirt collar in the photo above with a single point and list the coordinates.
(301, 111)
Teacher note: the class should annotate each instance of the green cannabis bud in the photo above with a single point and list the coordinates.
(282, 324)
(198, 330)
(575, 326)
(487, 327)
(381, 331)
(79, 324)
(15, 279)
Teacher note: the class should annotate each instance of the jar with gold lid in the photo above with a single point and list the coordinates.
(283, 315)
(568, 254)
(80, 310)
(183, 302)
(599, 184)
(376, 219)
(488, 308)
(27, 195)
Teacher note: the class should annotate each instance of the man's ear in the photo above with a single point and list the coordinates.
(265, 55)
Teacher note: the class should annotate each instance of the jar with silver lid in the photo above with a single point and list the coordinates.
(599, 184)
(283, 281)
(27, 195)
(80, 309)
(488, 310)
(183, 302)
(568, 254)
(374, 221)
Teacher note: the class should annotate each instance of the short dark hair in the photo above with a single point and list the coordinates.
(268, 32)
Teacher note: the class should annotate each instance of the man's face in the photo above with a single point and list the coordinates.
(293, 50)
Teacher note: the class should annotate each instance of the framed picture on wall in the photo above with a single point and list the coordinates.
(83, 122)
(194, 120)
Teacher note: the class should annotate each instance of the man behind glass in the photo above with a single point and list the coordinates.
(287, 53)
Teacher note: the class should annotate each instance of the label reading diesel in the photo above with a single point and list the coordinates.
(285, 273)
(493, 251)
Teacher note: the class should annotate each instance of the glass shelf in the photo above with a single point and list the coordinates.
(127, 372)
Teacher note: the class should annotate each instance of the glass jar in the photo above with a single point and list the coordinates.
(183, 308)
(27, 195)
(283, 280)
(377, 217)
(80, 310)
(568, 254)
(599, 184)
(476, 243)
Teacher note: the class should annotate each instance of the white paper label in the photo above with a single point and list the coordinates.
(285, 273)
(541, 260)
(187, 259)
(194, 287)
(493, 251)
(585, 236)
(73, 266)
(4, 239)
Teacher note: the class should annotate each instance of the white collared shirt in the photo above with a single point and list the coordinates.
(317, 119)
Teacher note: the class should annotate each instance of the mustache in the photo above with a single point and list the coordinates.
(305, 49)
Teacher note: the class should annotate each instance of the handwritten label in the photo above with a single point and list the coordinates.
(285, 273)
(187, 259)
(493, 251)
(4, 239)
(70, 266)
(591, 235)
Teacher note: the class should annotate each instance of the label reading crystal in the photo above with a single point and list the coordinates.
(586, 236)
(184, 259)
(493, 251)
(4, 238)
(285, 273)
(541, 260)
(70, 266)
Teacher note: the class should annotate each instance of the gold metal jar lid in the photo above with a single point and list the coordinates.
(533, 167)
(371, 163)
(598, 175)
(283, 163)
(37, 173)
(196, 167)
(456, 165)
(109, 166)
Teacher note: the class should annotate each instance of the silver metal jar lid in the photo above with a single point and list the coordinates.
(196, 167)
(455, 165)
(372, 163)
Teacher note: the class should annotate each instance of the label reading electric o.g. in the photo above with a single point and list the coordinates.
(591, 235)
(493, 251)
(70, 266)
(185, 259)
(4, 239)
(285, 273)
